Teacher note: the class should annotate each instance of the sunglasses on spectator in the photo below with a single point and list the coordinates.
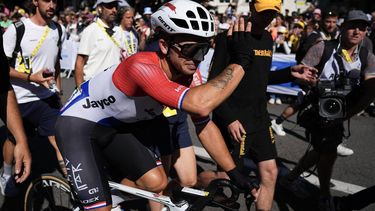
(110, 5)
(354, 25)
(193, 51)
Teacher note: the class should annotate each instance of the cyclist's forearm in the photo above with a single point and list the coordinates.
(213, 142)
(201, 100)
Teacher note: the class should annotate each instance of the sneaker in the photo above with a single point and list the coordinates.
(278, 128)
(278, 101)
(326, 204)
(342, 150)
(8, 186)
(297, 187)
(271, 100)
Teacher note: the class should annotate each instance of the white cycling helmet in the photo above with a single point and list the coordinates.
(183, 17)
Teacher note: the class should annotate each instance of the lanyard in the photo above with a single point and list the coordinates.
(130, 48)
(110, 37)
(346, 56)
(44, 36)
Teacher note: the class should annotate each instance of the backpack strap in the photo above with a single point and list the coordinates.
(329, 46)
(59, 30)
(363, 54)
(20, 31)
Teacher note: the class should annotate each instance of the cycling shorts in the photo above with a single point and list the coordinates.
(88, 147)
(179, 127)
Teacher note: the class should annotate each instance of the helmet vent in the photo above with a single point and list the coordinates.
(180, 23)
(205, 26)
(194, 25)
(190, 14)
(202, 13)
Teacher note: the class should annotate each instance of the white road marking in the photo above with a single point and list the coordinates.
(338, 185)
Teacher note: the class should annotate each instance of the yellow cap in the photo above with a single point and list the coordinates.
(261, 5)
(300, 23)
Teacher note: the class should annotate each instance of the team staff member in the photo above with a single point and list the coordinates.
(10, 115)
(243, 116)
(97, 49)
(117, 110)
(345, 56)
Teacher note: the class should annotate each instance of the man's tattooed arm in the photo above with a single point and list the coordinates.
(222, 80)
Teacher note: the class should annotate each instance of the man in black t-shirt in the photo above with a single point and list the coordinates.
(11, 117)
(243, 117)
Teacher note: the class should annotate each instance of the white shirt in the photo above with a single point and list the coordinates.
(102, 52)
(127, 39)
(45, 58)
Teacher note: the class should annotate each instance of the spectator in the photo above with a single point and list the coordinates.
(5, 22)
(98, 50)
(147, 16)
(35, 70)
(10, 115)
(126, 34)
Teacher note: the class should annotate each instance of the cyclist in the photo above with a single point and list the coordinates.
(117, 115)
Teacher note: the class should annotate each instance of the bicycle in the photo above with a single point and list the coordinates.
(50, 192)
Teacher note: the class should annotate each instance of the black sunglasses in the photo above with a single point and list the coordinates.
(110, 5)
(193, 51)
(357, 24)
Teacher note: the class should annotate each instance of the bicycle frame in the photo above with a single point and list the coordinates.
(183, 199)
(165, 200)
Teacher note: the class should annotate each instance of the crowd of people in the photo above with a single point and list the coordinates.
(137, 83)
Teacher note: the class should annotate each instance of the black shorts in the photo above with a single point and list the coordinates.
(87, 147)
(42, 114)
(259, 145)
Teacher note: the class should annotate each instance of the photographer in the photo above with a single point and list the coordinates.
(348, 69)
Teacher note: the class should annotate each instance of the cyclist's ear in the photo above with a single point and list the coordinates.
(164, 46)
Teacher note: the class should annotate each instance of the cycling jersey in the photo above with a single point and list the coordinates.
(131, 92)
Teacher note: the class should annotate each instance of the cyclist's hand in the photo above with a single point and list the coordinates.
(236, 131)
(241, 52)
(22, 159)
(244, 182)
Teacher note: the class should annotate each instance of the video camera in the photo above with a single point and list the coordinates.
(332, 102)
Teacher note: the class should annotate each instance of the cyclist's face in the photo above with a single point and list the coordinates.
(187, 52)
(46, 8)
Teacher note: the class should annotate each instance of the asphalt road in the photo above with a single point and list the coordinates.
(351, 172)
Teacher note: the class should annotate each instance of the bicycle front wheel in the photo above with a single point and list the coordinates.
(49, 193)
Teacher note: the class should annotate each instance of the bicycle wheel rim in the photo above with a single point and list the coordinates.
(48, 193)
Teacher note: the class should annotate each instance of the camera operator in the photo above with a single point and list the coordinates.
(346, 82)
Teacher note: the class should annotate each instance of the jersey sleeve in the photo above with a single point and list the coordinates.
(150, 79)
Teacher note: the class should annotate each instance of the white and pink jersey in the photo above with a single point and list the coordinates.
(133, 91)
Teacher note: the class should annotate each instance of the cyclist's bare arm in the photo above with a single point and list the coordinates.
(80, 63)
(201, 100)
(212, 140)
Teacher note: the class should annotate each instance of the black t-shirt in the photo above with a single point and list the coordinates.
(4, 81)
(248, 103)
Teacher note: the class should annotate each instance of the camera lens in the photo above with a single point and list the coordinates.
(332, 106)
